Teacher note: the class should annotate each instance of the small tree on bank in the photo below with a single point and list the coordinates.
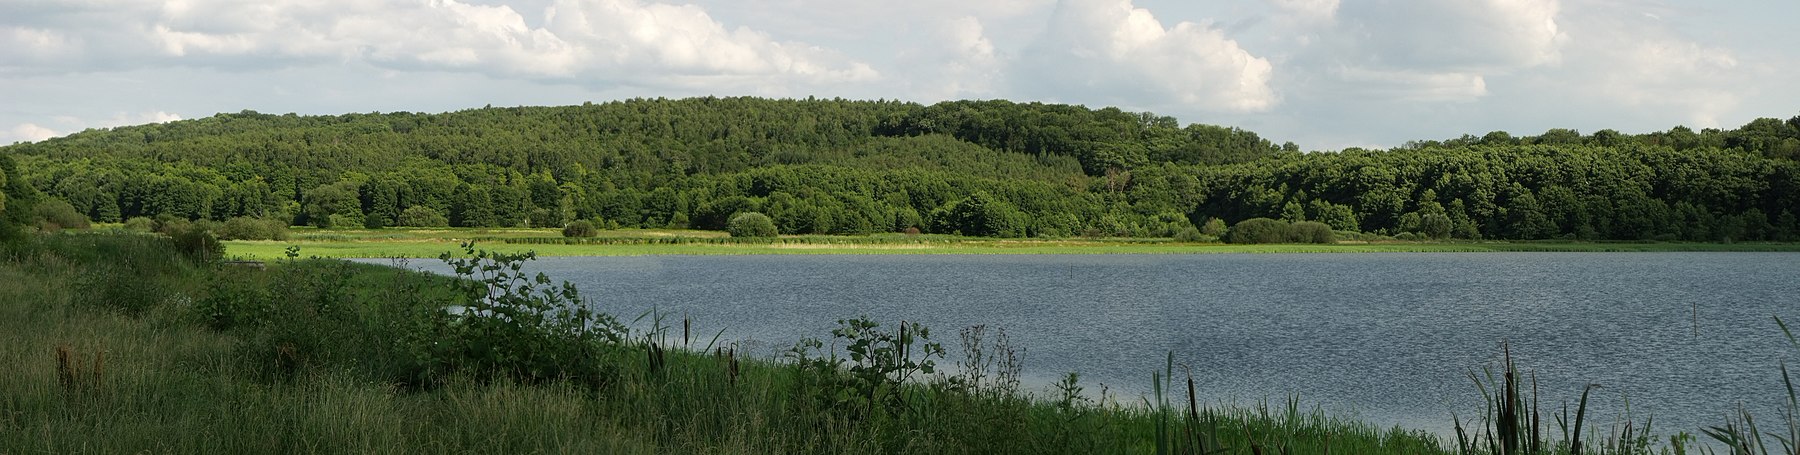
(580, 228)
(750, 224)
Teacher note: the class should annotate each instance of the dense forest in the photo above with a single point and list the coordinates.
(986, 168)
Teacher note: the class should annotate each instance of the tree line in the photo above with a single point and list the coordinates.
(988, 168)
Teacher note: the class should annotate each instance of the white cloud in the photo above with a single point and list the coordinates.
(1479, 35)
(604, 42)
(1415, 86)
(28, 132)
(1638, 60)
(1312, 10)
(1110, 48)
(955, 60)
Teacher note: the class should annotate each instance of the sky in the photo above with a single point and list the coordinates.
(1326, 74)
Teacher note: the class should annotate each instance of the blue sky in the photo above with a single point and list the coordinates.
(1325, 74)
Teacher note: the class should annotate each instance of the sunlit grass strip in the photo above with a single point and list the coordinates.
(421, 248)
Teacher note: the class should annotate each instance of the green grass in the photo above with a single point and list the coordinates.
(414, 243)
(326, 356)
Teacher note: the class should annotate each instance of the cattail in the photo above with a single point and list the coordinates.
(65, 368)
(732, 364)
(99, 366)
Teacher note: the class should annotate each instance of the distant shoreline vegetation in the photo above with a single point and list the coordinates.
(426, 243)
(849, 168)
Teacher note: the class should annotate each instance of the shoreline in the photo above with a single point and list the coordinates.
(431, 248)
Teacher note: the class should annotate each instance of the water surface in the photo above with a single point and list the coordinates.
(1387, 337)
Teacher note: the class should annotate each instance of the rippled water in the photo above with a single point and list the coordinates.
(1387, 337)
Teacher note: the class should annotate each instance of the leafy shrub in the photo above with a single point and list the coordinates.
(1214, 227)
(422, 216)
(1258, 230)
(519, 326)
(194, 240)
(234, 297)
(1191, 235)
(879, 362)
(1406, 236)
(750, 224)
(140, 224)
(580, 228)
(246, 228)
(1310, 232)
(56, 214)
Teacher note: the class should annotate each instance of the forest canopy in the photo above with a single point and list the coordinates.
(993, 168)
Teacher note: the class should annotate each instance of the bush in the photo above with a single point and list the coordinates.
(1214, 227)
(580, 228)
(519, 326)
(750, 224)
(1258, 230)
(246, 228)
(194, 240)
(422, 216)
(1310, 232)
(140, 224)
(55, 214)
(1191, 235)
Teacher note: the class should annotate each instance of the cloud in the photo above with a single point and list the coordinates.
(28, 132)
(1638, 60)
(601, 42)
(955, 60)
(1111, 49)
(1312, 10)
(1414, 86)
(1479, 35)
(33, 132)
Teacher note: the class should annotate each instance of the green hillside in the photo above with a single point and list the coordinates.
(985, 168)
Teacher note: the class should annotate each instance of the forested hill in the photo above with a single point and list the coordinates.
(976, 167)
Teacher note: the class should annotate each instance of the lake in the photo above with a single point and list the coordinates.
(1389, 338)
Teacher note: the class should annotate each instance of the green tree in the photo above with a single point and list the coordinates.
(981, 215)
(333, 205)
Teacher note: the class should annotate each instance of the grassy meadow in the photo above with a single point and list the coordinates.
(429, 243)
(135, 343)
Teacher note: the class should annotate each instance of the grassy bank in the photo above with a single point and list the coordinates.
(116, 345)
(119, 344)
(428, 243)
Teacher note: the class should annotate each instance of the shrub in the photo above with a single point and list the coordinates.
(878, 363)
(750, 224)
(246, 228)
(195, 241)
(580, 228)
(1191, 235)
(54, 214)
(422, 216)
(140, 224)
(1310, 232)
(1258, 230)
(519, 326)
(1214, 227)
